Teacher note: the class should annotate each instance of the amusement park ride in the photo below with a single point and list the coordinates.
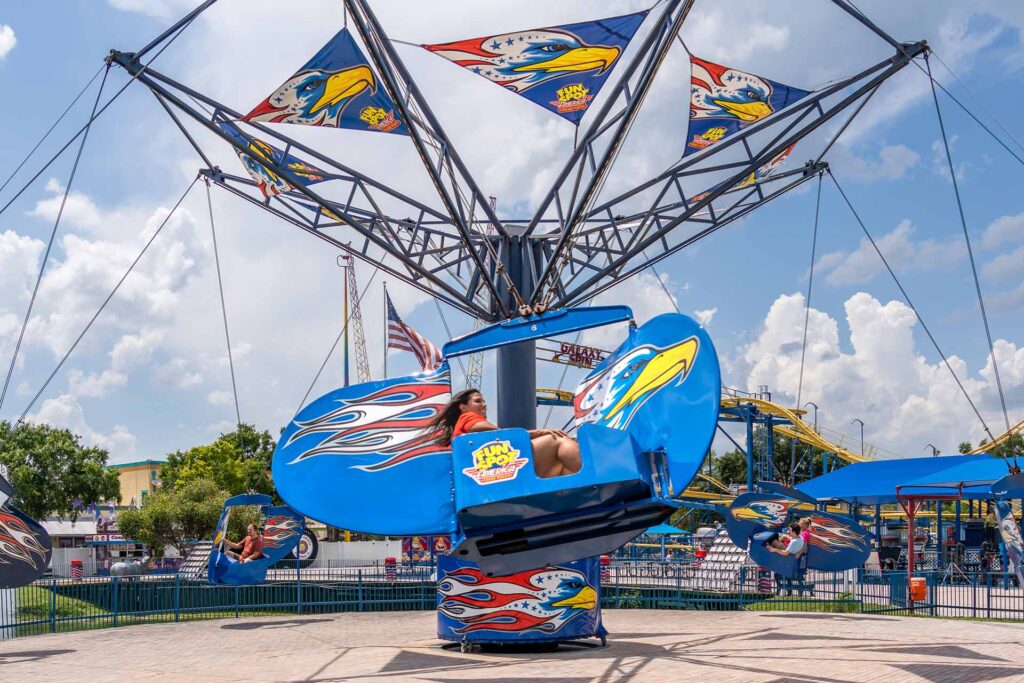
(647, 413)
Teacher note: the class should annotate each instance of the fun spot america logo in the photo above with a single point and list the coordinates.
(495, 461)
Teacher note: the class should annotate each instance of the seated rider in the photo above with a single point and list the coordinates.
(250, 547)
(555, 453)
(796, 543)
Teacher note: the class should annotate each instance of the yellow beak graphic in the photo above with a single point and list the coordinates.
(747, 513)
(343, 85)
(747, 111)
(671, 363)
(585, 599)
(577, 59)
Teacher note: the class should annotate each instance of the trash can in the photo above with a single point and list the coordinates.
(390, 569)
(606, 569)
(76, 569)
(918, 589)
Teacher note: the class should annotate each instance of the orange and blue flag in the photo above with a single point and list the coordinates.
(724, 100)
(337, 89)
(560, 68)
(269, 182)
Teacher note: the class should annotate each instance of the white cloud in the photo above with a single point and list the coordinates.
(893, 162)
(7, 40)
(645, 295)
(154, 8)
(1005, 267)
(1003, 230)
(705, 316)
(885, 380)
(134, 349)
(79, 209)
(220, 398)
(65, 411)
(898, 247)
(95, 384)
(940, 162)
(176, 373)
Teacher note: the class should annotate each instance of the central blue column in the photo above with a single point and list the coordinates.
(517, 385)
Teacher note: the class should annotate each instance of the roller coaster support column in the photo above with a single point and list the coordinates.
(749, 414)
(768, 470)
(517, 364)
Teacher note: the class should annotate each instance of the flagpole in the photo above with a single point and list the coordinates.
(385, 329)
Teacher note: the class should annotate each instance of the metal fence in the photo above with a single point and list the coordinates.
(58, 605)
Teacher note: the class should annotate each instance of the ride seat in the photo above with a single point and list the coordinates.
(511, 519)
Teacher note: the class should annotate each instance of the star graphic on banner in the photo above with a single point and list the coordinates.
(495, 45)
(509, 41)
(476, 69)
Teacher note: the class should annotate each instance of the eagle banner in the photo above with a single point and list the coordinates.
(760, 174)
(724, 100)
(560, 68)
(269, 182)
(337, 89)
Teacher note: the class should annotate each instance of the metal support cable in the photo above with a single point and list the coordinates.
(976, 99)
(807, 303)
(337, 339)
(967, 240)
(223, 306)
(50, 130)
(106, 301)
(448, 331)
(910, 303)
(49, 244)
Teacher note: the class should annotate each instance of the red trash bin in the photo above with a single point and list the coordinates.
(390, 569)
(76, 569)
(606, 569)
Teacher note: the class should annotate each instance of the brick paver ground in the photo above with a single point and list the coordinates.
(705, 647)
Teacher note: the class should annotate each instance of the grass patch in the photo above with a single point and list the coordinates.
(844, 603)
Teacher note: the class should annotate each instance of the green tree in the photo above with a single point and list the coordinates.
(965, 447)
(52, 472)
(236, 462)
(730, 467)
(181, 516)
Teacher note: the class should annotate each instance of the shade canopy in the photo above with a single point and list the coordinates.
(875, 482)
(664, 530)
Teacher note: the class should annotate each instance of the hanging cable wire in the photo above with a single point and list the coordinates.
(976, 99)
(96, 114)
(807, 303)
(223, 306)
(106, 301)
(50, 130)
(49, 244)
(910, 303)
(337, 339)
(967, 240)
(448, 331)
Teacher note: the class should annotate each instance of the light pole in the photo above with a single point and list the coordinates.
(935, 451)
(857, 419)
(812, 403)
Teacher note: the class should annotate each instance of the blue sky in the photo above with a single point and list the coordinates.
(152, 377)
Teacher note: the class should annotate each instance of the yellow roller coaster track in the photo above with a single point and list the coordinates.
(986, 447)
(797, 429)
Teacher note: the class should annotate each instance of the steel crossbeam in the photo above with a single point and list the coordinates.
(577, 243)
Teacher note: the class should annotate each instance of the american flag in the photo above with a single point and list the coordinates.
(404, 338)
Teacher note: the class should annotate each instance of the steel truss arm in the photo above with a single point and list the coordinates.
(586, 169)
(408, 240)
(305, 221)
(608, 250)
(459, 192)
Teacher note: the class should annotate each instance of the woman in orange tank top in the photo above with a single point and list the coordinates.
(555, 453)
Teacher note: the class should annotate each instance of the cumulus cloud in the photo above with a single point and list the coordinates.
(79, 209)
(898, 246)
(705, 316)
(1005, 267)
(893, 162)
(7, 40)
(178, 374)
(1003, 230)
(95, 384)
(65, 411)
(220, 398)
(884, 379)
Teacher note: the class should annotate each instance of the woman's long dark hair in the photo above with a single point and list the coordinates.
(444, 424)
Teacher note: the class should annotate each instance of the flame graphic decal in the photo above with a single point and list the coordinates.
(831, 536)
(279, 529)
(392, 422)
(542, 600)
(18, 544)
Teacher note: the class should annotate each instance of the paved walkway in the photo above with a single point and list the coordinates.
(644, 646)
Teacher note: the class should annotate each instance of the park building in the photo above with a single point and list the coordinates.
(138, 480)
